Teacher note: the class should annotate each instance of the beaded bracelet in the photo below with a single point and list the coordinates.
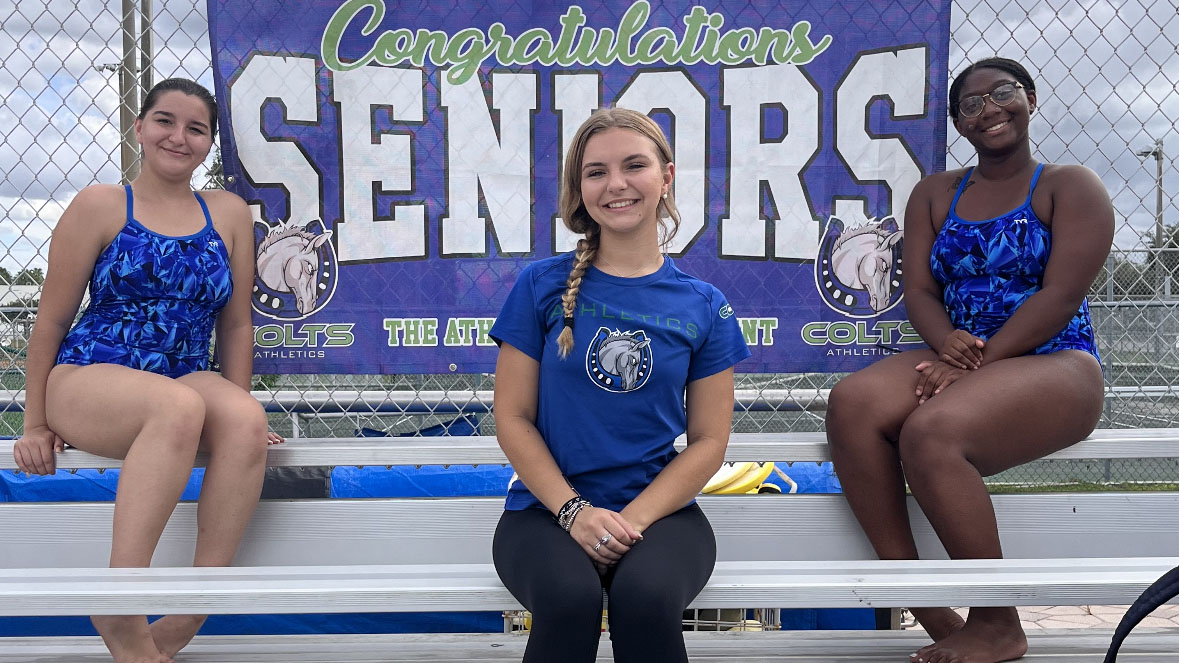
(570, 510)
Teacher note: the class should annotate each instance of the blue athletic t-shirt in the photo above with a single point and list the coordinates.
(611, 410)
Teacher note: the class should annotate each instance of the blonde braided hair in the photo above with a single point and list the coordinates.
(587, 250)
(577, 218)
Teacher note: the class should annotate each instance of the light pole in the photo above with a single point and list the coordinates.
(1162, 281)
(1157, 153)
(128, 110)
(135, 79)
(129, 91)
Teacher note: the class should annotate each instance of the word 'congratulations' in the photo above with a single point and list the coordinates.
(702, 41)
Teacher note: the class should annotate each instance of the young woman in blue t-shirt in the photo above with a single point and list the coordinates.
(608, 354)
(998, 259)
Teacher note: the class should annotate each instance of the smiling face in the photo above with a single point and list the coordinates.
(996, 128)
(623, 180)
(175, 134)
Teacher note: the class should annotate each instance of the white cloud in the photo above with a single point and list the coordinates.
(24, 234)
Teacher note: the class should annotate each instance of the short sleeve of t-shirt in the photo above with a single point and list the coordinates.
(518, 323)
(725, 344)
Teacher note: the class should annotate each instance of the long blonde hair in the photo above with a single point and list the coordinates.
(578, 219)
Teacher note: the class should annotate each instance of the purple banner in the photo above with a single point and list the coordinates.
(402, 160)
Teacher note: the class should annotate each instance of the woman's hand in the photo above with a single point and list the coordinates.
(34, 451)
(273, 438)
(961, 349)
(604, 535)
(935, 376)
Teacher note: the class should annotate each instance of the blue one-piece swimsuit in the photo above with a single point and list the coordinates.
(154, 300)
(987, 269)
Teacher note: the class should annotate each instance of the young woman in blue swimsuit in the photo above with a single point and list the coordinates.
(998, 258)
(165, 268)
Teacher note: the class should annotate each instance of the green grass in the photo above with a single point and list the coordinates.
(1086, 487)
(11, 423)
(12, 380)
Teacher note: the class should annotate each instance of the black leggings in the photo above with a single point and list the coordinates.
(548, 572)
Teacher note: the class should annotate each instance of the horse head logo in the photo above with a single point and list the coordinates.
(619, 361)
(296, 273)
(858, 271)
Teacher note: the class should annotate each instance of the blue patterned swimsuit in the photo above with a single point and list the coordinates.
(153, 300)
(987, 269)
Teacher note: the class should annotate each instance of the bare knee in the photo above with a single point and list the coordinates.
(237, 425)
(855, 405)
(846, 398)
(176, 415)
(930, 438)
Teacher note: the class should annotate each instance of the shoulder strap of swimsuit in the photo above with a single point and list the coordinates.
(961, 188)
(130, 202)
(205, 209)
(1035, 179)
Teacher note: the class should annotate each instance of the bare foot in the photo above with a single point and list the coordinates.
(172, 632)
(128, 638)
(990, 635)
(939, 623)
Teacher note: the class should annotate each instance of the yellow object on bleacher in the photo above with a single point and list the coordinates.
(739, 478)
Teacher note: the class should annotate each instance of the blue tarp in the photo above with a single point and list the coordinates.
(828, 619)
(424, 481)
(75, 486)
(810, 477)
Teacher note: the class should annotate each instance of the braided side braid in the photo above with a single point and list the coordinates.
(587, 250)
(577, 219)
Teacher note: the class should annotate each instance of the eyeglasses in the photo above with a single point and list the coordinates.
(972, 106)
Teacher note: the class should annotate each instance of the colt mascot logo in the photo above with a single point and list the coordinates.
(297, 270)
(858, 271)
(619, 361)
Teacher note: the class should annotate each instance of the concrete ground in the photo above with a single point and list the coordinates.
(1084, 616)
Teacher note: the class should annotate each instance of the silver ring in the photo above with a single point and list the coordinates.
(605, 539)
(597, 545)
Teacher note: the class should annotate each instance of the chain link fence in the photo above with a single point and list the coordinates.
(72, 73)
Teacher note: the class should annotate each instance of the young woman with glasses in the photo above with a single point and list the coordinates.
(998, 258)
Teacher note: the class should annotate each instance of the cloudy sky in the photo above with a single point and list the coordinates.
(1106, 77)
(59, 111)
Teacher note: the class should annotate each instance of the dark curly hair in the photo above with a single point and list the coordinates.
(188, 87)
(1012, 67)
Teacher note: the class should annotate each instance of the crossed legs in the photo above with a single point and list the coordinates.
(992, 419)
(156, 424)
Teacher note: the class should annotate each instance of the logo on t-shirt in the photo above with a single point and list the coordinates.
(619, 361)
(725, 311)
